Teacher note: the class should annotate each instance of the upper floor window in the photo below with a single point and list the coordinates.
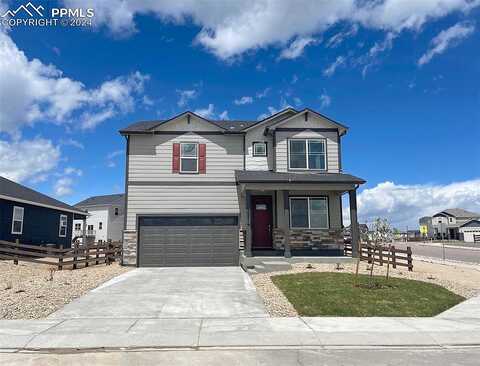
(307, 154)
(78, 227)
(17, 220)
(188, 157)
(62, 231)
(116, 211)
(260, 148)
(100, 226)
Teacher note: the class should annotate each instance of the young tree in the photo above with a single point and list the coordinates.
(382, 234)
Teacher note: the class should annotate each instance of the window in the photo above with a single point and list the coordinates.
(260, 148)
(189, 158)
(309, 212)
(62, 232)
(307, 154)
(116, 211)
(78, 227)
(100, 226)
(17, 220)
(90, 227)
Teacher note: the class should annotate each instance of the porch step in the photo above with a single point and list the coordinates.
(272, 266)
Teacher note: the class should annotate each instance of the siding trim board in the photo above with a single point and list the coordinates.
(180, 183)
(293, 129)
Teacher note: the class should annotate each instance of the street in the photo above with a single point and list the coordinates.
(437, 252)
(246, 357)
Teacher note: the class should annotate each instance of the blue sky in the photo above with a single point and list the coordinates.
(406, 82)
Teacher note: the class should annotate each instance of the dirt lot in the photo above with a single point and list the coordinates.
(458, 278)
(30, 291)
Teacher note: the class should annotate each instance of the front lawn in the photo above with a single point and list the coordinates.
(334, 294)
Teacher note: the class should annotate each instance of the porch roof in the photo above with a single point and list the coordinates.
(253, 176)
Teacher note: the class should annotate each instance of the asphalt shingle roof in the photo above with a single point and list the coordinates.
(109, 199)
(252, 176)
(460, 212)
(18, 191)
(144, 126)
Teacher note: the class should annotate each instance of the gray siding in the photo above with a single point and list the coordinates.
(178, 199)
(150, 158)
(282, 148)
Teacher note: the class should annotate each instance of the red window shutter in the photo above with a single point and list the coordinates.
(176, 158)
(202, 158)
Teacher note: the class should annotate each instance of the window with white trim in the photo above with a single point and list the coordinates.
(62, 231)
(78, 227)
(116, 211)
(307, 154)
(188, 157)
(309, 213)
(17, 220)
(260, 148)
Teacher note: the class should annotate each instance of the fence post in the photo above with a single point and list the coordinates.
(60, 259)
(96, 252)
(394, 257)
(75, 251)
(369, 254)
(15, 261)
(109, 248)
(380, 255)
(87, 251)
(409, 259)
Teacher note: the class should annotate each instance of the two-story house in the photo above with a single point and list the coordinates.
(198, 189)
(105, 219)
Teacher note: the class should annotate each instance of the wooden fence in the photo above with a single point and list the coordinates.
(383, 254)
(99, 253)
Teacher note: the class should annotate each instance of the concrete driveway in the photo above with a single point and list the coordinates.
(180, 292)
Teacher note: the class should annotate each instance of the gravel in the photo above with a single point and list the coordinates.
(461, 279)
(32, 291)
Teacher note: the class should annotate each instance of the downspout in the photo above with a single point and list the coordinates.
(274, 151)
(244, 151)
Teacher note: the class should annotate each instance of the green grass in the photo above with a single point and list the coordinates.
(334, 294)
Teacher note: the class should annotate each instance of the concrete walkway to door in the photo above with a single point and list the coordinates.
(177, 292)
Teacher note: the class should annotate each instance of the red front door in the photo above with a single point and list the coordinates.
(262, 222)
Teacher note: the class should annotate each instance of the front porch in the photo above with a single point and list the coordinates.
(295, 215)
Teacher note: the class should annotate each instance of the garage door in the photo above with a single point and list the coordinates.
(173, 241)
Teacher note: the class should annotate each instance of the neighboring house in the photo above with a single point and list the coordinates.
(193, 184)
(105, 220)
(426, 227)
(470, 229)
(34, 218)
(446, 224)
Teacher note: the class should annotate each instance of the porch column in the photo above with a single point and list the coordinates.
(352, 195)
(286, 206)
(84, 230)
(248, 224)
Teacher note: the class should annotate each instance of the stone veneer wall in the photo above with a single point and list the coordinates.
(309, 239)
(129, 247)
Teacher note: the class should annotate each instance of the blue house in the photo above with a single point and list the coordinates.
(34, 218)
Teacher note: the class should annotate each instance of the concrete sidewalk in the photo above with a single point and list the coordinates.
(101, 333)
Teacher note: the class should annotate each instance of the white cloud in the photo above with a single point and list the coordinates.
(207, 113)
(243, 100)
(63, 186)
(325, 100)
(112, 156)
(446, 39)
(371, 58)
(32, 91)
(72, 142)
(186, 96)
(330, 70)
(339, 37)
(223, 116)
(295, 49)
(72, 171)
(231, 28)
(262, 94)
(28, 159)
(404, 204)
(298, 102)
